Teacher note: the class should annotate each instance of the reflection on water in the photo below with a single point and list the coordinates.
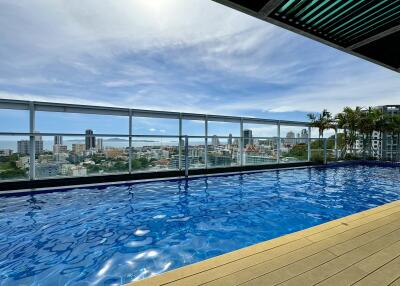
(117, 234)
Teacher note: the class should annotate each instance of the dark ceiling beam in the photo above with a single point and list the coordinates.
(237, 7)
(270, 7)
(374, 38)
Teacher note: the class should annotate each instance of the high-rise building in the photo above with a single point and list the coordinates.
(58, 148)
(384, 144)
(302, 136)
(58, 140)
(389, 148)
(78, 149)
(99, 144)
(290, 138)
(24, 146)
(215, 140)
(247, 137)
(90, 140)
(230, 139)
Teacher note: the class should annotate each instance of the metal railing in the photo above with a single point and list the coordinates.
(131, 115)
(268, 150)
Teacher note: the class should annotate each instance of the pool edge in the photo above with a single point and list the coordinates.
(174, 276)
(57, 185)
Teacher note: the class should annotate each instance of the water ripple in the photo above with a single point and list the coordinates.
(117, 234)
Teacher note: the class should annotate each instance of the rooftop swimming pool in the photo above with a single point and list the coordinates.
(117, 234)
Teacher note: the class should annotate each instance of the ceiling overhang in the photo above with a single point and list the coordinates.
(369, 29)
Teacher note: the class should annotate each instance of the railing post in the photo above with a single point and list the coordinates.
(278, 146)
(309, 145)
(241, 148)
(32, 142)
(130, 141)
(206, 142)
(186, 156)
(180, 143)
(336, 144)
(325, 153)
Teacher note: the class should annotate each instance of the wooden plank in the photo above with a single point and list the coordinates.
(230, 268)
(367, 232)
(344, 226)
(385, 275)
(291, 270)
(342, 262)
(224, 270)
(341, 225)
(348, 245)
(366, 266)
(395, 283)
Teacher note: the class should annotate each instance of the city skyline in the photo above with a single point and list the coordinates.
(93, 155)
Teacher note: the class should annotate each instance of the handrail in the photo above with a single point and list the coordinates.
(119, 111)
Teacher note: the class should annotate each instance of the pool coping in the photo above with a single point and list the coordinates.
(108, 179)
(217, 267)
(27, 191)
(268, 168)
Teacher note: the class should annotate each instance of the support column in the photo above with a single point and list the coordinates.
(32, 142)
(309, 145)
(278, 146)
(180, 143)
(130, 141)
(325, 153)
(241, 148)
(206, 142)
(186, 156)
(336, 144)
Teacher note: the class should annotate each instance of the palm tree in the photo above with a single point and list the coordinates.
(348, 120)
(342, 123)
(322, 121)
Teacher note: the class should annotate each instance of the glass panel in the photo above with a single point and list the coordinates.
(196, 153)
(14, 120)
(330, 149)
(14, 165)
(155, 126)
(317, 150)
(193, 127)
(261, 151)
(294, 150)
(57, 122)
(223, 152)
(327, 133)
(223, 128)
(261, 130)
(155, 154)
(290, 133)
(82, 156)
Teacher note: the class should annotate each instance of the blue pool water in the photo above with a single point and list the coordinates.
(118, 234)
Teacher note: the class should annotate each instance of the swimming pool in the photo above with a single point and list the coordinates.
(117, 234)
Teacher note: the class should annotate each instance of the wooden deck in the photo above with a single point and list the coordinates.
(361, 249)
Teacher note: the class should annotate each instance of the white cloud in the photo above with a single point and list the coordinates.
(177, 55)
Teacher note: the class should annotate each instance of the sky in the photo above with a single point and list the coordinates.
(176, 55)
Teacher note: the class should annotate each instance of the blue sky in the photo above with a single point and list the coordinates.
(178, 55)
